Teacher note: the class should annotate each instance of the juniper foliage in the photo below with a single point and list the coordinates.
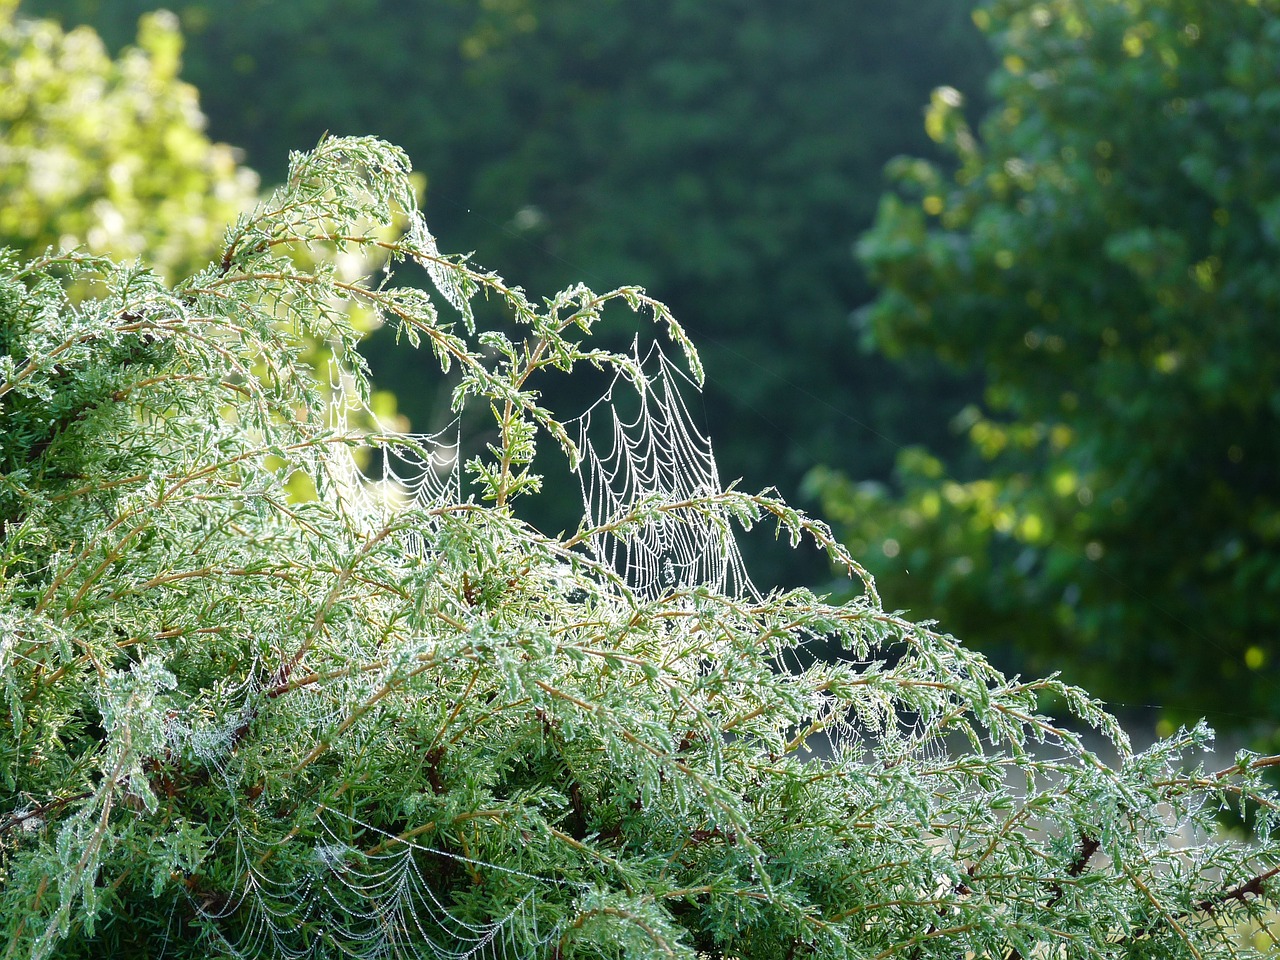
(261, 706)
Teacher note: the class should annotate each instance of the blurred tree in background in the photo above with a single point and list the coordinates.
(740, 142)
(109, 154)
(1108, 256)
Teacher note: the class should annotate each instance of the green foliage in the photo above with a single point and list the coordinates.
(244, 722)
(1106, 255)
(109, 155)
(740, 142)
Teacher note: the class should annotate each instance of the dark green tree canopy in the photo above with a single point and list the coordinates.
(278, 687)
(1107, 255)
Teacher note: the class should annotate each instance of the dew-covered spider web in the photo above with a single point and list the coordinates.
(379, 478)
(373, 900)
(346, 888)
(649, 487)
(649, 483)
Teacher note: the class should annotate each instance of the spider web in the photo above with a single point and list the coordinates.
(345, 901)
(378, 479)
(650, 495)
(369, 904)
(649, 486)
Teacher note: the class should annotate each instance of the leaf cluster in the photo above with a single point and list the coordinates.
(724, 154)
(1104, 254)
(109, 153)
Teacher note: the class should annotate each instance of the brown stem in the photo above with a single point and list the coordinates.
(1254, 886)
(1088, 847)
(1251, 887)
(35, 812)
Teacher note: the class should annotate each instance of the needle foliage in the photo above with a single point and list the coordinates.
(259, 709)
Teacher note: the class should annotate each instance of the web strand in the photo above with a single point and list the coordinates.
(648, 486)
(651, 496)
